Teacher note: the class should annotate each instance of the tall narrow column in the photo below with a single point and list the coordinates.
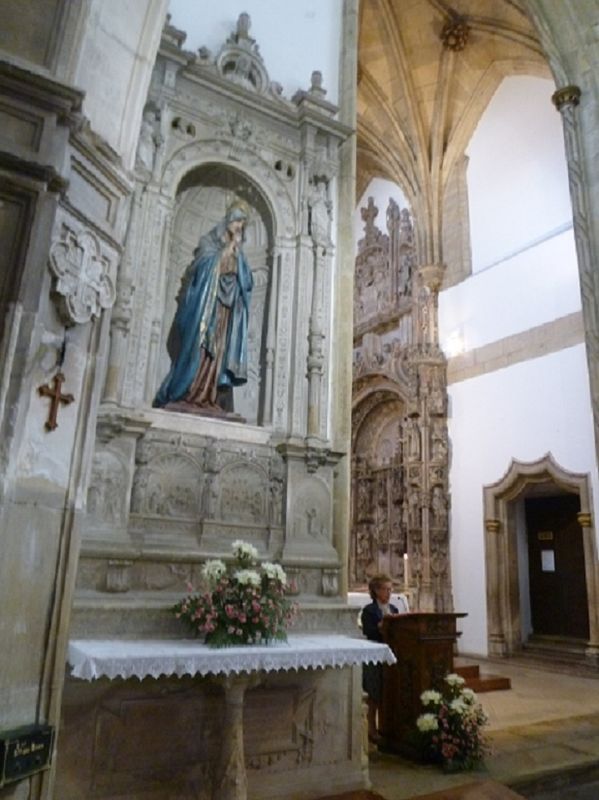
(344, 284)
(566, 100)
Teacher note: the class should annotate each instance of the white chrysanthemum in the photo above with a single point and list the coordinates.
(244, 551)
(427, 722)
(275, 572)
(468, 696)
(430, 696)
(247, 577)
(458, 705)
(213, 570)
(454, 680)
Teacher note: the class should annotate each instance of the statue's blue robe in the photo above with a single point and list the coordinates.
(195, 320)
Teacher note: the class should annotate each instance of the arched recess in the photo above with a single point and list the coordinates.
(202, 197)
(504, 624)
(378, 533)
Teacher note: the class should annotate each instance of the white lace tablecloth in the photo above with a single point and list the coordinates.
(128, 658)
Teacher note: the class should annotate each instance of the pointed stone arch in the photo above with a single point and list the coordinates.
(504, 628)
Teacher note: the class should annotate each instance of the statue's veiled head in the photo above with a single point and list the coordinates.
(238, 211)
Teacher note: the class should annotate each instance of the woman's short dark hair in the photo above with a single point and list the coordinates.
(376, 582)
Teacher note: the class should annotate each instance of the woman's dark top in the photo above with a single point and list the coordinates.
(372, 674)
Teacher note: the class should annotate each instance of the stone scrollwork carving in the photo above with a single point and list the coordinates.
(82, 281)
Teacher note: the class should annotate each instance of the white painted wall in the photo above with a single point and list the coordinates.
(521, 412)
(294, 38)
(536, 286)
(517, 143)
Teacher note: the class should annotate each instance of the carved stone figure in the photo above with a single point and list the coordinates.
(320, 214)
(208, 342)
(413, 437)
(149, 140)
(439, 507)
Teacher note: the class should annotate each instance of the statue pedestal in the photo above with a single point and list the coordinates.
(181, 407)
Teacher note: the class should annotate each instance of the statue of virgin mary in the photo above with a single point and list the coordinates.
(208, 341)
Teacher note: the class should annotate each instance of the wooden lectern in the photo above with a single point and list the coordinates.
(423, 645)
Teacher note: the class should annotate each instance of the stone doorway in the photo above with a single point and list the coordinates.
(511, 588)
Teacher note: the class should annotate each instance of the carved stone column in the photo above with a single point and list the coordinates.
(566, 100)
(496, 636)
(315, 340)
(231, 779)
(119, 331)
(269, 355)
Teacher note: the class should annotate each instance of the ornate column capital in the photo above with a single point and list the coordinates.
(492, 525)
(432, 276)
(566, 97)
(585, 519)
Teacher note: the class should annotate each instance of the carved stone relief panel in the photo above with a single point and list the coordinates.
(168, 486)
(243, 494)
(311, 512)
(106, 496)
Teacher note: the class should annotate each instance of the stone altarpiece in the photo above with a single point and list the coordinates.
(400, 448)
(168, 490)
(216, 128)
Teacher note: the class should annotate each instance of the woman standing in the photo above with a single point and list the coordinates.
(379, 587)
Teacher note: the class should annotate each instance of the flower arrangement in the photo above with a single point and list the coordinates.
(450, 731)
(243, 603)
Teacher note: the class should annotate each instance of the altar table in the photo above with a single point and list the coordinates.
(236, 668)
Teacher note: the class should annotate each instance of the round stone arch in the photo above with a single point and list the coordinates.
(380, 399)
(504, 629)
(229, 154)
(378, 409)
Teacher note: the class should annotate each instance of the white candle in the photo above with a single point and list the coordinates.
(406, 572)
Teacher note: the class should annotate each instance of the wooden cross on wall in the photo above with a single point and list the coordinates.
(55, 393)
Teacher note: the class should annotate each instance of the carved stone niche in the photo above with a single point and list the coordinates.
(202, 202)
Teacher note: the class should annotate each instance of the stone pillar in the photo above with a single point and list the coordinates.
(315, 339)
(566, 100)
(344, 287)
(496, 637)
(119, 330)
(271, 338)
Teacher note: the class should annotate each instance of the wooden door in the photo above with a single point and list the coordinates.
(558, 593)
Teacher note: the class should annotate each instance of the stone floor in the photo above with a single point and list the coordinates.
(545, 742)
